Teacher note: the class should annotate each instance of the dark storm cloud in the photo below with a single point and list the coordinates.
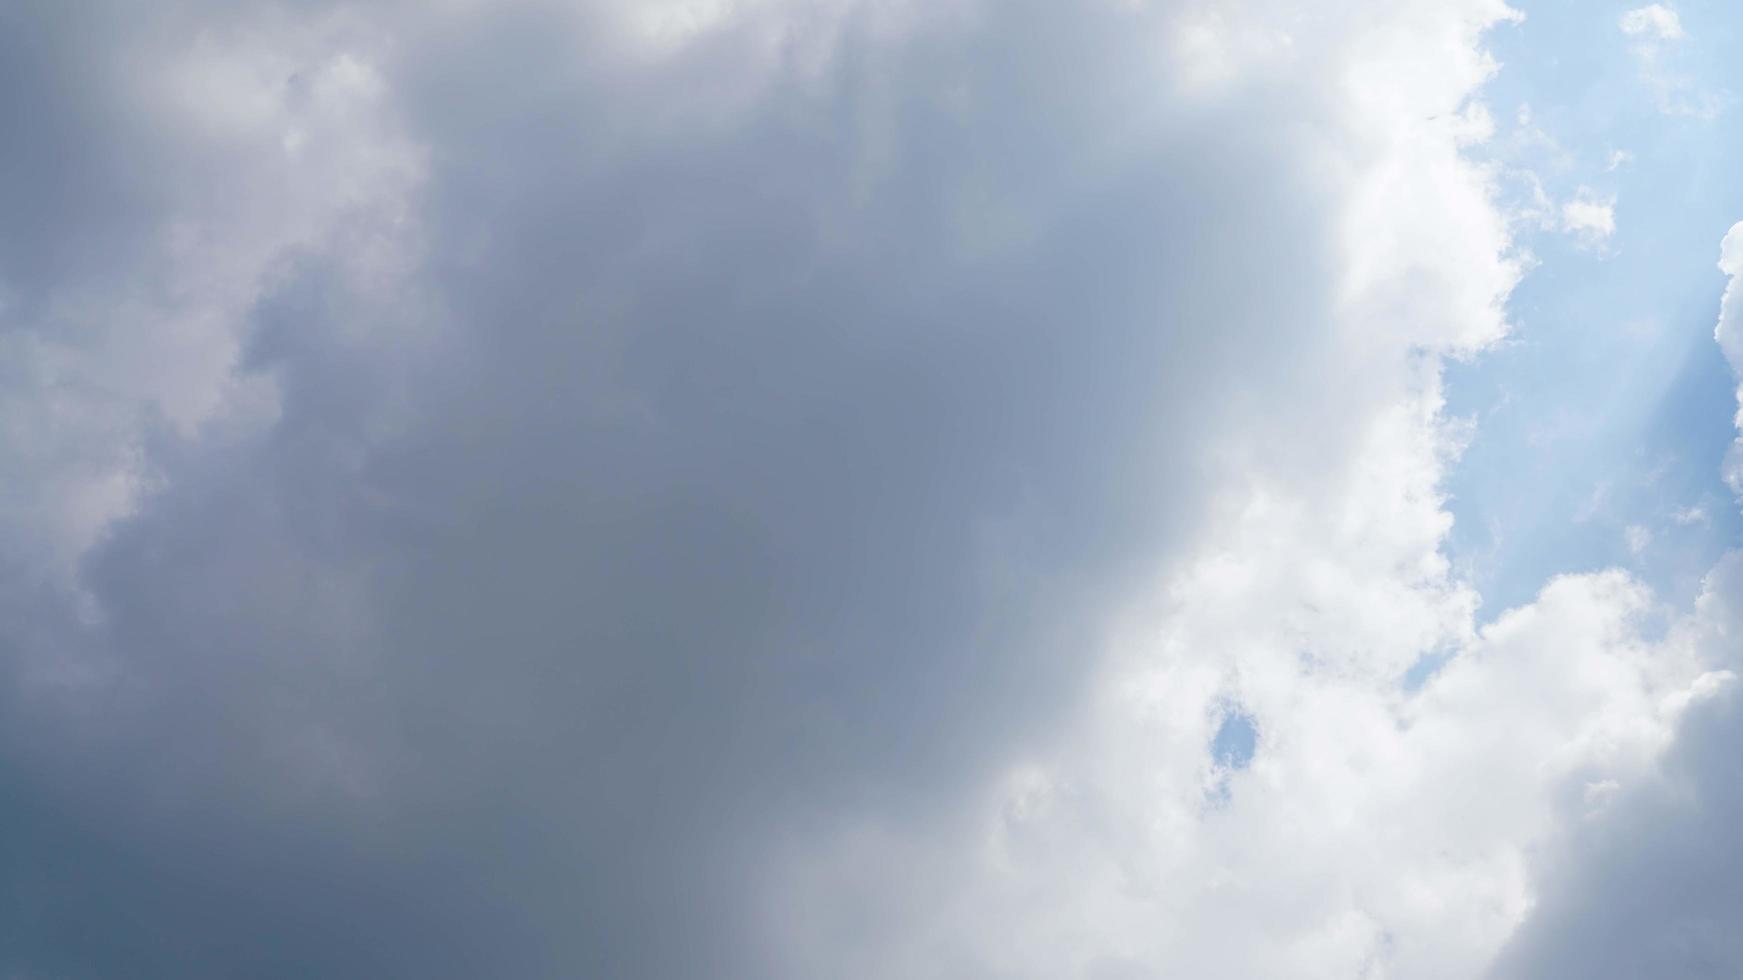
(759, 460)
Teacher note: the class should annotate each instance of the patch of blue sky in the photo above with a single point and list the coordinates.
(1601, 425)
(1231, 750)
(1235, 741)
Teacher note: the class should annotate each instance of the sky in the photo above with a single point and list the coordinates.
(870, 489)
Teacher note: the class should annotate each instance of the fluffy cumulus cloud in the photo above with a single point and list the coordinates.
(1646, 884)
(167, 168)
(860, 489)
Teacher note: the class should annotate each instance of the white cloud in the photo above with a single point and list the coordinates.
(1637, 538)
(1729, 334)
(1643, 886)
(1653, 21)
(1636, 886)
(1690, 516)
(1526, 156)
(1114, 849)
(1655, 30)
(1589, 218)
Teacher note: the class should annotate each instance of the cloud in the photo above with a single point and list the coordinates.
(769, 490)
(1525, 154)
(1655, 29)
(1589, 218)
(156, 197)
(1690, 516)
(1110, 855)
(1637, 538)
(1729, 335)
(1653, 21)
(1646, 885)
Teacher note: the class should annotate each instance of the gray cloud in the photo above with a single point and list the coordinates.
(1653, 889)
(1651, 886)
(751, 439)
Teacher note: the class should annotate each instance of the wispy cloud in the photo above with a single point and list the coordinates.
(1654, 32)
(1655, 21)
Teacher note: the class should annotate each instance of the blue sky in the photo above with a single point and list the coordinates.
(1608, 409)
(870, 489)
